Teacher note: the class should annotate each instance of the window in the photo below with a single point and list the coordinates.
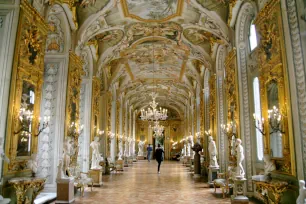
(252, 37)
(257, 109)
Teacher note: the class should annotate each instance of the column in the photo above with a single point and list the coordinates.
(113, 151)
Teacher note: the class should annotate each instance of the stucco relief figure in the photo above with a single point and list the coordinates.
(240, 157)
(269, 165)
(302, 193)
(140, 148)
(96, 156)
(212, 149)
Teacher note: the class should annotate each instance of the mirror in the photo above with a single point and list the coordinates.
(26, 119)
(276, 144)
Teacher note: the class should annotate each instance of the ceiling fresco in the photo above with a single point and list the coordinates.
(166, 63)
(163, 46)
(152, 10)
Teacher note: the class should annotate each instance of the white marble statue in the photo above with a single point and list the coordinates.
(68, 150)
(140, 147)
(302, 193)
(6, 159)
(185, 149)
(269, 165)
(188, 149)
(240, 157)
(212, 149)
(96, 156)
(32, 163)
(233, 143)
(60, 171)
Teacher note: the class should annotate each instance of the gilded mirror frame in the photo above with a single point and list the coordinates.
(232, 100)
(212, 106)
(75, 73)
(273, 66)
(95, 106)
(28, 67)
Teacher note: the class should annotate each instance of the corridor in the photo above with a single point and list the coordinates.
(141, 184)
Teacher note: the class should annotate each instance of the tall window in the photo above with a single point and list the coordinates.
(252, 37)
(257, 108)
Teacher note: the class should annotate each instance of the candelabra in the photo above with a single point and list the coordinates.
(26, 119)
(208, 133)
(229, 129)
(74, 130)
(111, 135)
(274, 119)
(100, 132)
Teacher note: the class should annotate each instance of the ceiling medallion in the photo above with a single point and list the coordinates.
(153, 10)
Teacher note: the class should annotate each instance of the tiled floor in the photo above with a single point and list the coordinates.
(141, 184)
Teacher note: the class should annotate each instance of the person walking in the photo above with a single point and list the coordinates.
(159, 156)
(149, 150)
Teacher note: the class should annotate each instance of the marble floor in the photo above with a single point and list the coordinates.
(141, 184)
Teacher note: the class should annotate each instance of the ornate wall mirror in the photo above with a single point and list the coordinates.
(274, 89)
(26, 119)
(276, 143)
(24, 109)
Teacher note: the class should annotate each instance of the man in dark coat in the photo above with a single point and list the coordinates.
(159, 156)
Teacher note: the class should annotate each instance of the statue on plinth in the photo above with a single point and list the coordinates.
(240, 157)
(140, 147)
(60, 171)
(212, 150)
(96, 156)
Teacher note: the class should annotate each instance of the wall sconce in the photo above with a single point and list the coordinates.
(100, 132)
(111, 135)
(25, 121)
(74, 130)
(275, 120)
(229, 129)
(208, 133)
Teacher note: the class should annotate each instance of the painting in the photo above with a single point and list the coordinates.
(152, 10)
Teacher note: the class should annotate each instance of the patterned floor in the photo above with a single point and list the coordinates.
(141, 184)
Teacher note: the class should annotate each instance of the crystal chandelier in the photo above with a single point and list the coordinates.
(158, 129)
(153, 113)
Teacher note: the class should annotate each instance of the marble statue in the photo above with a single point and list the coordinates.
(6, 159)
(140, 147)
(233, 142)
(269, 165)
(96, 156)
(120, 153)
(302, 193)
(240, 157)
(32, 164)
(212, 149)
(60, 171)
(67, 152)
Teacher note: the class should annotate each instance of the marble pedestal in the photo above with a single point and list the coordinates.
(130, 161)
(239, 191)
(96, 175)
(140, 158)
(119, 165)
(212, 174)
(126, 164)
(65, 191)
(187, 161)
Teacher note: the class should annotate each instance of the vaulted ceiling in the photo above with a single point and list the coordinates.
(154, 45)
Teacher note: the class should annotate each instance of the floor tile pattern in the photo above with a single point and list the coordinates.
(142, 184)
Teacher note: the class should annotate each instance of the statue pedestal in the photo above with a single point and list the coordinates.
(126, 164)
(212, 174)
(140, 157)
(188, 161)
(119, 165)
(96, 175)
(65, 191)
(239, 191)
(130, 161)
(197, 165)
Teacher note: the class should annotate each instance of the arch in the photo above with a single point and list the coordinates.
(245, 16)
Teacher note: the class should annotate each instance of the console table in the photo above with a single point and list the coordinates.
(276, 187)
(22, 184)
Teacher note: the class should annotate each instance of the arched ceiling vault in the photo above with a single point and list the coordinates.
(152, 45)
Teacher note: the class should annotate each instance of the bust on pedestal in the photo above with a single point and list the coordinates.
(96, 170)
(197, 162)
(213, 163)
